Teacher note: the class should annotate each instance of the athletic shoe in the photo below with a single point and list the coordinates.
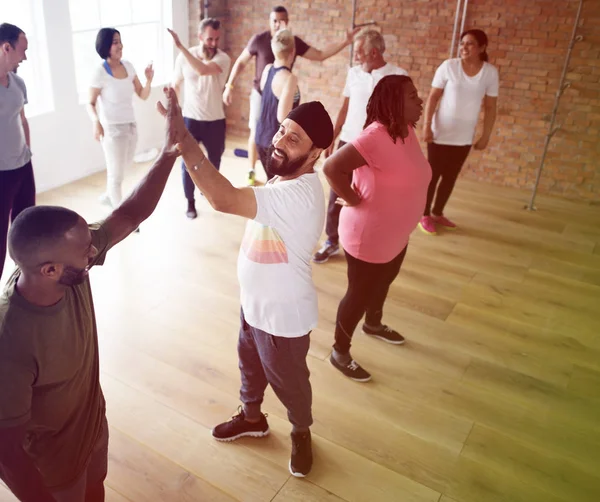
(251, 179)
(191, 210)
(327, 251)
(238, 427)
(301, 460)
(444, 222)
(352, 370)
(384, 333)
(427, 225)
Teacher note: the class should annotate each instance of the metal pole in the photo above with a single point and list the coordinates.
(455, 26)
(561, 88)
(462, 25)
(353, 26)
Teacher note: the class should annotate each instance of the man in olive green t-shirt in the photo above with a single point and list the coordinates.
(53, 430)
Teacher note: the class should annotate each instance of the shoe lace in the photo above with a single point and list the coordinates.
(353, 365)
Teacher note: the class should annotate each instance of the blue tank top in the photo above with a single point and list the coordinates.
(267, 122)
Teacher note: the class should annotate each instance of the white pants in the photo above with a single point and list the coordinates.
(119, 144)
(255, 101)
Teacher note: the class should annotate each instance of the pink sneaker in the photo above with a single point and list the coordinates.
(444, 222)
(427, 225)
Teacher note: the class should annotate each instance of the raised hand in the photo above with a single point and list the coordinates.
(176, 40)
(149, 73)
(351, 33)
(175, 127)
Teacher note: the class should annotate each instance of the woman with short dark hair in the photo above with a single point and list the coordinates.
(382, 206)
(113, 84)
(459, 86)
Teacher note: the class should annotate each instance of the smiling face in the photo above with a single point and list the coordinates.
(210, 41)
(470, 50)
(116, 49)
(15, 54)
(290, 151)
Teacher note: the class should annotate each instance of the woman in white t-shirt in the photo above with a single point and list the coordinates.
(113, 83)
(459, 86)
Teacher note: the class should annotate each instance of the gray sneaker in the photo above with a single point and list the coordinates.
(327, 251)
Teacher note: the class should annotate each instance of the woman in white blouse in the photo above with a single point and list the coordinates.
(459, 86)
(114, 83)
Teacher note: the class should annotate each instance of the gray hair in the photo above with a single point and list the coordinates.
(373, 39)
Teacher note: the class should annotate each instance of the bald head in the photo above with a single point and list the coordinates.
(38, 232)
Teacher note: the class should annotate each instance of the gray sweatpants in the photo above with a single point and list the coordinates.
(280, 362)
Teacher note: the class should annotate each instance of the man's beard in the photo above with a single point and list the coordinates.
(72, 276)
(208, 53)
(284, 167)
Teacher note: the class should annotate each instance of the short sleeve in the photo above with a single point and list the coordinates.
(493, 83)
(224, 62)
(100, 242)
(252, 46)
(301, 46)
(16, 390)
(98, 77)
(279, 204)
(441, 76)
(130, 69)
(348, 85)
(178, 70)
(369, 142)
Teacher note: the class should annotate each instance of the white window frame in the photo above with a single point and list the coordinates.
(35, 71)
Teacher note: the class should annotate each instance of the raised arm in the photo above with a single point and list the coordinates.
(197, 64)
(144, 91)
(238, 67)
(432, 101)
(286, 100)
(338, 169)
(314, 54)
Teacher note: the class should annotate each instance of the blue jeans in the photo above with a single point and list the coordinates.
(212, 135)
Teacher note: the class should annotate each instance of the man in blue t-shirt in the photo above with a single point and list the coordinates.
(17, 187)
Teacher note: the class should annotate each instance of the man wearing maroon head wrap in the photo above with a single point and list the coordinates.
(279, 300)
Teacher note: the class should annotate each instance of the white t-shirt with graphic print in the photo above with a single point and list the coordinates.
(274, 265)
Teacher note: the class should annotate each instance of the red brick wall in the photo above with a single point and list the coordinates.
(528, 43)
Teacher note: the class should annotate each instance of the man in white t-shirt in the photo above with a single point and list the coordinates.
(203, 71)
(279, 299)
(369, 47)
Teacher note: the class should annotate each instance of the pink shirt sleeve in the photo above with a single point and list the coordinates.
(368, 142)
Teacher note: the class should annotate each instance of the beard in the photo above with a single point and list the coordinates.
(208, 53)
(285, 166)
(72, 276)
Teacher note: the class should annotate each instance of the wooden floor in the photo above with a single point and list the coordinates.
(495, 397)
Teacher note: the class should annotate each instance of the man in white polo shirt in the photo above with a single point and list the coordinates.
(369, 48)
(203, 71)
(17, 186)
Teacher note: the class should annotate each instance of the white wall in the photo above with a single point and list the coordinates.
(63, 147)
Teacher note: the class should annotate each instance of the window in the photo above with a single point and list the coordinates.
(142, 24)
(29, 16)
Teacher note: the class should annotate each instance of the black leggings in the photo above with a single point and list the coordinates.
(368, 285)
(17, 192)
(446, 162)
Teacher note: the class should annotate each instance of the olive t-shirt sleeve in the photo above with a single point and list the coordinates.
(99, 241)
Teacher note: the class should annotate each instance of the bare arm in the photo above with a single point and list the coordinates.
(144, 92)
(432, 101)
(93, 112)
(489, 118)
(197, 64)
(314, 54)
(338, 169)
(238, 67)
(286, 100)
(17, 469)
(25, 128)
(339, 123)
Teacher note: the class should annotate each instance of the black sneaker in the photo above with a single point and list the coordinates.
(352, 370)
(384, 333)
(191, 210)
(327, 251)
(238, 427)
(301, 460)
